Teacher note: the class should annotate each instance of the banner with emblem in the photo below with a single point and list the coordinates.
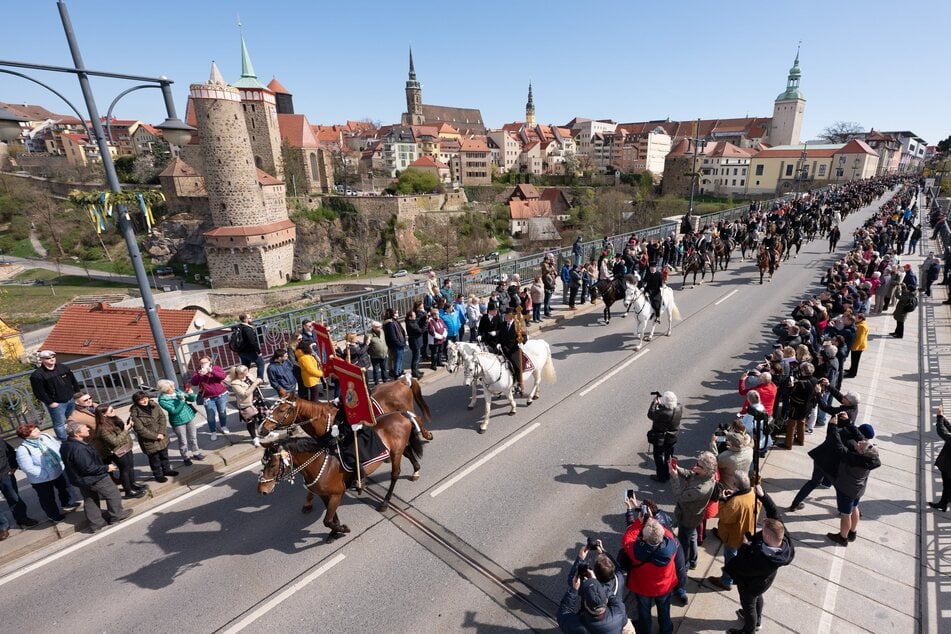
(325, 346)
(354, 397)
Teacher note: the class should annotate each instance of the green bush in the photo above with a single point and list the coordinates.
(414, 181)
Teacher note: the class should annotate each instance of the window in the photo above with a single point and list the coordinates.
(734, 182)
(742, 182)
(789, 169)
(822, 170)
(759, 172)
(734, 171)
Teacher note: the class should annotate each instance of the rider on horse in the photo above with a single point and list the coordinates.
(652, 284)
(618, 270)
(769, 243)
(509, 338)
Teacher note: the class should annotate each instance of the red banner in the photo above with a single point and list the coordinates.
(354, 397)
(325, 347)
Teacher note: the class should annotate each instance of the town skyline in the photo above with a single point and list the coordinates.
(367, 65)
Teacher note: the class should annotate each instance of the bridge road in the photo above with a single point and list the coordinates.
(495, 518)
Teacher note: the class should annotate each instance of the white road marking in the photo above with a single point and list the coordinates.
(107, 532)
(610, 374)
(286, 594)
(726, 297)
(478, 463)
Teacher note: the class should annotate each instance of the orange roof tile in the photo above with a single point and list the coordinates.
(178, 168)
(473, 145)
(296, 130)
(525, 209)
(276, 87)
(266, 179)
(250, 230)
(428, 161)
(91, 329)
(856, 146)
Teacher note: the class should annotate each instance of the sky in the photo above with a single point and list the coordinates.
(880, 64)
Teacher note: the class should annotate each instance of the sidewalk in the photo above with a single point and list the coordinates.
(873, 584)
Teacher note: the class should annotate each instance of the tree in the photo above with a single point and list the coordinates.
(125, 168)
(841, 132)
(295, 175)
(413, 181)
(945, 145)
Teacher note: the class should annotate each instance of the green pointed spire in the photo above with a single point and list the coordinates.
(792, 82)
(248, 78)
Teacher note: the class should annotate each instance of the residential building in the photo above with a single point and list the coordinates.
(474, 163)
(399, 149)
(913, 149)
(509, 147)
(785, 168)
(438, 169)
(889, 150)
(11, 343)
(724, 169)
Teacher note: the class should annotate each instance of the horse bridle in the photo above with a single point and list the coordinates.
(647, 304)
(279, 424)
(287, 460)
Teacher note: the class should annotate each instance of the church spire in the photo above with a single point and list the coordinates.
(248, 78)
(412, 70)
(530, 107)
(414, 96)
(792, 91)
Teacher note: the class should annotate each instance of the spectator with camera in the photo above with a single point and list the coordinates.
(636, 514)
(737, 519)
(605, 568)
(589, 608)
(692, 490)
(665, 414)
(652, 551)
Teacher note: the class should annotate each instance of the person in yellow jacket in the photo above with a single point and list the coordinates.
(310, 370)
(858, 345)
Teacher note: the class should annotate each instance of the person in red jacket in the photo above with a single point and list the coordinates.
(652, 550)
(763, 384)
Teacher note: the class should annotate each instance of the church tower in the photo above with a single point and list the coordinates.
(285, 100)
(252, 242)
(530, 108)
(414, 97)
(788, 110)
(260, 114)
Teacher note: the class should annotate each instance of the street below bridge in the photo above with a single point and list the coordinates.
(482, 542)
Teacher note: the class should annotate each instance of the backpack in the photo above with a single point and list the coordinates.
(911, 303)
(236, 340)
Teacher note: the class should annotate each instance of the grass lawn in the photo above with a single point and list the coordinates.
(33, 304)
(21, 249)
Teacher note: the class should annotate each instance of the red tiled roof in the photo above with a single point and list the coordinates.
(91, 329)
(429, 162)
(178, 167)
(728, 150)
(525, 209)
(276, 87)
(266, 179)
(857, 147)
(526, 191)
(473, 145)
(75, 138)
(30, 111)
(250, 230)
(296, 130)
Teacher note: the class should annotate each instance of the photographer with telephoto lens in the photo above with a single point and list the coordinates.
(665, 414)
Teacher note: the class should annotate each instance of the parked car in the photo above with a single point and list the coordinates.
(164, 271)
(459, 263)
(493, 256)
(425, 269)
(400, 273)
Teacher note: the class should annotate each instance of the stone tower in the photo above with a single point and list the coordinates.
(530, 108)
(252, 242)
(788, 110)
(285, 100)
(414, 97)
(260, 114)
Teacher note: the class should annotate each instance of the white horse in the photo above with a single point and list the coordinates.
(493, 373)
(636, 298)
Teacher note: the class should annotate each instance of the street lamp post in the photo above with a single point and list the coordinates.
(175, 131)
(802, 169)
(694, 175)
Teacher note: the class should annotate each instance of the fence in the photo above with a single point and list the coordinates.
(113, 377)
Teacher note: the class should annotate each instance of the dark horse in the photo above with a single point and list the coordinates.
(315, 460)
(697, 262)
(793, 238)
(722, 252)
(608, 291)
(764, 264)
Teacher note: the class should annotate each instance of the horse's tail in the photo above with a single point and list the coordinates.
(548, 372)
(416, 441)
(674, 311)
(418, 399)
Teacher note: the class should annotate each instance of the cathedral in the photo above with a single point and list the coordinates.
(468, 121)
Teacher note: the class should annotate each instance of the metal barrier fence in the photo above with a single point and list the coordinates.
(113, 377)
(109, 378)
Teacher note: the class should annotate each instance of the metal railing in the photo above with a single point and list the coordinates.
(114, 376)
(109, 378)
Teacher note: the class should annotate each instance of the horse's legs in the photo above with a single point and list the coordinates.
(511, 398)
(409, 453)
(395, 459)
(330, 517)
(308, 502)
(475, 393)
(487, 395)
(536, 379)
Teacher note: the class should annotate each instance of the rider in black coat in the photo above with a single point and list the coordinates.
(509, 339)
(652, 283)
(490, 325)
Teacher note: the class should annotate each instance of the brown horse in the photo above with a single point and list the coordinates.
(697, 262)
(315, 460)
(764, 264)
(608, 291)
(722, 252)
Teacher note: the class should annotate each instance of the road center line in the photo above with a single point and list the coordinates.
(286, 594)
(135, 519)
(610, 374)
(484, 459)
(726, 297)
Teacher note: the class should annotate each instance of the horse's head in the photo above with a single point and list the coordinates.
(452, 356)
(276, 461)
(282, 416)
(630, 290)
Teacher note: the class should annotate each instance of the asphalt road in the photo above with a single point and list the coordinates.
(487, 553)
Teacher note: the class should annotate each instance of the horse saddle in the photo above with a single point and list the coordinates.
(372, 448)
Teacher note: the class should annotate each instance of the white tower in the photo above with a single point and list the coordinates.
(788, 110)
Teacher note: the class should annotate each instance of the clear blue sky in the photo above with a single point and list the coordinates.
(881, 64)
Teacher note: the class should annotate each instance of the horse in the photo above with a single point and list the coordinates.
(325, 477)
(636, 298)
(609, 292)
(722, 252)
(697, 263)
(493, 373)
(793, 239)
(764, 264)
(748, 243)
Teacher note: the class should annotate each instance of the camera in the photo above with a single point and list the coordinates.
(655, 394)
(592, 543)
(644, 510)
(582, 571)
(629, 494)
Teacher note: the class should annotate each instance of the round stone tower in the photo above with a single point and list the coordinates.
(252, 242)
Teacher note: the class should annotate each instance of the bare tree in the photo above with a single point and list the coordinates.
(46, 211)
(841, 132)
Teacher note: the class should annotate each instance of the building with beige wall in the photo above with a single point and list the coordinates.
(781, 169)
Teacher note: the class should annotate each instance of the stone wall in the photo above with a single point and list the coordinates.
(275, 201)
(251, 267)
(261, 119)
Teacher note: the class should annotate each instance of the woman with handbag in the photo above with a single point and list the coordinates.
(181, 415)
(244, 388)
(114, 433)
(213, 394)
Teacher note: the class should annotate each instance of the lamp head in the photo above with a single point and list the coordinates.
(10, 125)
(176, 131)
